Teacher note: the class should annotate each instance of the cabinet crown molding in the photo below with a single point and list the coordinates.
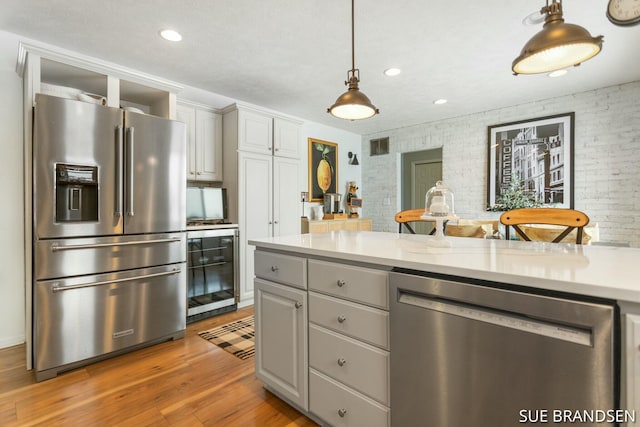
(201, 106)
(236, 106)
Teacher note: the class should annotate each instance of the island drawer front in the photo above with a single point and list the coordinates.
(356, 364)
(355, 320)
(328, 399)
(359, 284)
(285, 269)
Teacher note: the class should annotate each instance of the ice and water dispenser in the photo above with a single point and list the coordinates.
(76, 193)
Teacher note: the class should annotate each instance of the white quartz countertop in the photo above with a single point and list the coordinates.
(599, 271)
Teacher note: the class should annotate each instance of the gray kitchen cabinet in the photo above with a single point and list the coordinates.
(280, 310)
(349, 344)
(322, 337)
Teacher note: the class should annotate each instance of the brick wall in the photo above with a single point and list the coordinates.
(606, 163)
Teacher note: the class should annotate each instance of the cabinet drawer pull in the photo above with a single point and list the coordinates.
(341, 362)
(341, 283)
(274, 268)
(298, 304)
(342, 412)
(341, 319)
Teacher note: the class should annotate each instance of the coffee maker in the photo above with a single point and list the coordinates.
(332, 205)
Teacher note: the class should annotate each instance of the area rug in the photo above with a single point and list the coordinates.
(236, 337)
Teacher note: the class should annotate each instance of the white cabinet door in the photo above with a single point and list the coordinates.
(255, 132)
(281, 340)
(209, 144)
(286, 193)
(188, 116)
(286, 138)
(254, 211)
(204, 143)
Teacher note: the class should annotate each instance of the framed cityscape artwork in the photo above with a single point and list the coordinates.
(534, 156)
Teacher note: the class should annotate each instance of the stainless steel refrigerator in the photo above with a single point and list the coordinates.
(109, 246)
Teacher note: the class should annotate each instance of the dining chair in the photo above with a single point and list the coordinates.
(408, 216)
(570, 219)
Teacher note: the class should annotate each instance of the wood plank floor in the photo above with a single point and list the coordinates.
(187, 382)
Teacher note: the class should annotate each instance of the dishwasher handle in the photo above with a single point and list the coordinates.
(500, 318)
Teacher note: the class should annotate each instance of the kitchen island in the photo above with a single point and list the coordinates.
(347, 272)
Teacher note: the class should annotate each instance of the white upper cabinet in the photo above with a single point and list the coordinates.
(204, 141)
(255, 132)
(286, 138)
(263, 133)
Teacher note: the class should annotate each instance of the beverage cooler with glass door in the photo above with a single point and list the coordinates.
(212, 274)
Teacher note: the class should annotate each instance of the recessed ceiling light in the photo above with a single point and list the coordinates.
(440, 101)
(171, 35)
(557, 73)
(392, 72)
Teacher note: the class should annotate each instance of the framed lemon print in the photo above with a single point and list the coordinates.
(323, 169)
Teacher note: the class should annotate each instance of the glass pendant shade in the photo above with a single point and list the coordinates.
(558, 45)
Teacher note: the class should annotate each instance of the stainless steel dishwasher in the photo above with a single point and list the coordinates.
(483, 354)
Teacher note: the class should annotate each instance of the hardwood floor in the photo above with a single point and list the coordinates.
(187, 382)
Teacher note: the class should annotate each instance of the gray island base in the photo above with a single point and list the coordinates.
(380, 329)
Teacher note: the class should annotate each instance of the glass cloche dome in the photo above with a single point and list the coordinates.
(439, 201)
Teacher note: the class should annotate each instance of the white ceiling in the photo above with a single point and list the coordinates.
(293, 55)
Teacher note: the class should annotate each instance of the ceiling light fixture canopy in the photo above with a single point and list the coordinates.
(353, 104)
(558, 45)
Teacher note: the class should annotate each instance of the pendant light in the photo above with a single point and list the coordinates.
(558, 45)
(353, 104)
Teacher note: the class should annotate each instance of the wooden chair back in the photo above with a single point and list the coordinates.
(569, 218)
(408, 216)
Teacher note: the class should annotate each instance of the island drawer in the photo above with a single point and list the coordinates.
(340, 406)
(356, 364)
(359, 284)
(355, 320)
(285, 269)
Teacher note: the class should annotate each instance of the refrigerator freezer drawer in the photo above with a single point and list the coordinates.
(84, 317)
(74, 257)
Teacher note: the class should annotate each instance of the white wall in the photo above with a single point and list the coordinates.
(11, 193)
(607, 159)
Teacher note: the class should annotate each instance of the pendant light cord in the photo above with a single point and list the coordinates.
(353, 44)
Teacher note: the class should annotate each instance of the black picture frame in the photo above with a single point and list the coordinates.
(320, 151)
(539, 152)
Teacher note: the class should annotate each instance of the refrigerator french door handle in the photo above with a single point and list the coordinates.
(57, 288)
(55, 247)
(119, 138)
(130, 164)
